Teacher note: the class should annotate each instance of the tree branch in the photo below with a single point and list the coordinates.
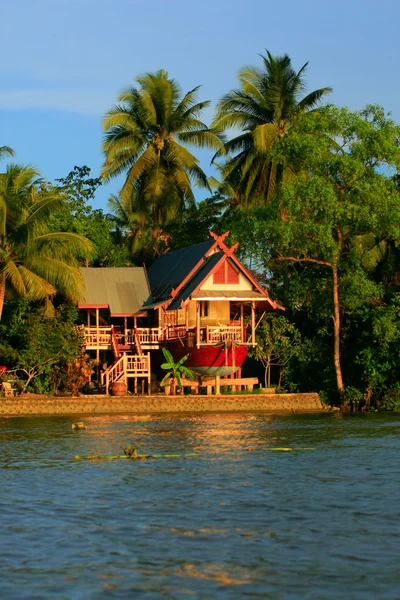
(306, 259)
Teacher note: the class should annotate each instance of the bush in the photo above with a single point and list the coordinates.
(391, 401)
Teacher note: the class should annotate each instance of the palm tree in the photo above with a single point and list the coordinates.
(131, 222)
(144, 138)
(265, 106)
(6, 151)
(34, 263)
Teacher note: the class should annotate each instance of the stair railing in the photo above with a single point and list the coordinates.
(113, 373)
(137, 342)
(114, 343)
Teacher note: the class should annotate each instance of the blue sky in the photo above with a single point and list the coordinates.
(64, 61)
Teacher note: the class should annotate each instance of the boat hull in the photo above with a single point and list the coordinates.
(210, 360)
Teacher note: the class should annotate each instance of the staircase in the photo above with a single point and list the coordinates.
(125, 366)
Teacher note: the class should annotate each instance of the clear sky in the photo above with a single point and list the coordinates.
(64, 61)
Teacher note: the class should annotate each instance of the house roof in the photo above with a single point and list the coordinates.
(177, 276)
(170, 269)
(230, 294)
(197, 279)
(123, 289)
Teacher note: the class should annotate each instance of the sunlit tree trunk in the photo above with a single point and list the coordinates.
(2, 292)
(336, 333)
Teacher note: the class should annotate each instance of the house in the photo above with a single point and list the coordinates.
(200, 301)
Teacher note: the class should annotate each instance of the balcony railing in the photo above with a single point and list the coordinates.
(223, 333)
(137, 365)
(98, 337)
(148, 336)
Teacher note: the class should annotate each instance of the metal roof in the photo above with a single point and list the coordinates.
(232, 294)
(170, 269)
(196, 280)
(123, 289)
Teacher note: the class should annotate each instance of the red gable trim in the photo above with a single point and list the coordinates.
(210, 273)
(129, 314)
(227, 252)
(230, 252)
(176, 290)
(93, 306)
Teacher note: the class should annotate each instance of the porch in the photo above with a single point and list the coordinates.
(151, 338)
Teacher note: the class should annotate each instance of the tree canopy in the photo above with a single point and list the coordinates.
(146, 138)
(35, 263)
(267, 103)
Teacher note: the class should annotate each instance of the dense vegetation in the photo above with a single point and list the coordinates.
(311, 192)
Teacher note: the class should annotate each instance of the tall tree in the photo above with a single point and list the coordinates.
(35, 263)
(145, 139)
(344, 193)
(263, 108)
(76, 215)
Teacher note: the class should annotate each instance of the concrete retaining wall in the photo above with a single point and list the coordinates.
(89, 405)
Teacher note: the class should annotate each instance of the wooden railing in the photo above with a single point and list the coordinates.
(138, 344)
(147, 336)
(137, 365)
(128, 365)
(98, 337)
(114, 343)
(113, 373)
(223, 333)
(176, 332)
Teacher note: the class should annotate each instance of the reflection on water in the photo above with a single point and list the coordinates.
(229, 523)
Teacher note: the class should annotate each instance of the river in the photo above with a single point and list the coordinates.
(239, 520)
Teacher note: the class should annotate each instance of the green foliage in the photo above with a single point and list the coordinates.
(40, 350)
(197, 221)
(266, 105)
(321, 221)
(278, 341)
(146, 138)
(35, 262)
(391, 401)
(76, 215)
(353, 397)
(379, 349)
(175, 370)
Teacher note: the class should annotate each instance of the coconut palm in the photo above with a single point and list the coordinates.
(145, 139)
(264, 107)
(6, 151)
(131, 222)
(34, 263)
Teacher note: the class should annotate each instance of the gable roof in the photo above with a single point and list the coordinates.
(203, 272)
(176, 276)
(172, 268)
(123, 289)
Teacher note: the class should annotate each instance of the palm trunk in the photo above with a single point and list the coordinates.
(2, 292)
(336, 332)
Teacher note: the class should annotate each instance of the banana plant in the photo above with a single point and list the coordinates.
(175, 371)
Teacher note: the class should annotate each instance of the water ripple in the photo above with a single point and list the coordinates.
(237, 521)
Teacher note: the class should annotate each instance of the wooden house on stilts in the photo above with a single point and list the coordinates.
(199, 301)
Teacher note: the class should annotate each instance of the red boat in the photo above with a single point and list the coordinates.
(224, 358)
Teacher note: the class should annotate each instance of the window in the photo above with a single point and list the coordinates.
(226, 273)
(204, 308)
(170, 317)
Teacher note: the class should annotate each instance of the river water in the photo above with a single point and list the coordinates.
(237, 521)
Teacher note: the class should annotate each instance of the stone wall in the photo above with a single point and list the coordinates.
(89, 405)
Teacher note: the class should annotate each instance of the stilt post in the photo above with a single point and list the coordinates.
(197, 323)
(253, 323)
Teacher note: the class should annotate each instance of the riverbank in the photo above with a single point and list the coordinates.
(139, 405)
